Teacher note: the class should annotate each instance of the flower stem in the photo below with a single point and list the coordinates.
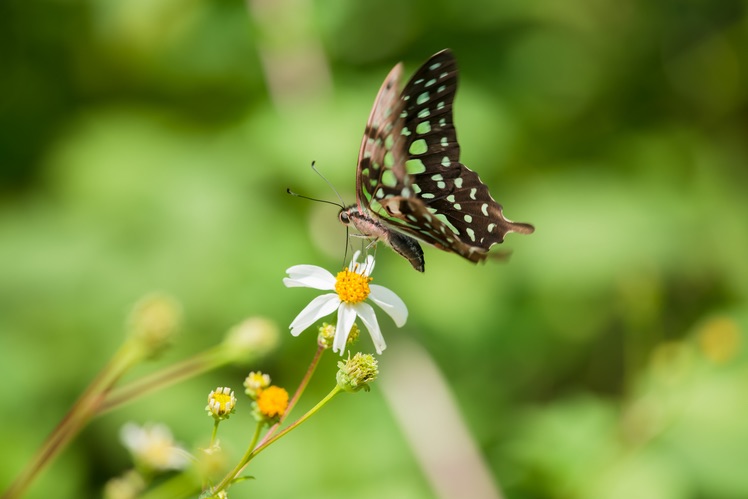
(214, 433)
(302, 386)
(198, 364)
(254, 448)
(266, 442)
(252, 451)
(75, 420)
(242, 463)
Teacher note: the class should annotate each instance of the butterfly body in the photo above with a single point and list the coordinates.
(410, 184)
(370, 227)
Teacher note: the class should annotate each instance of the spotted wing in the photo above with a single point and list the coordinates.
(409, 172)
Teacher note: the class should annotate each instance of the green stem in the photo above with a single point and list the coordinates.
(251, 450)
(214, 433)
(242, 463)
(75, 420)
(302, 386)
(198, 364)
(296, 423)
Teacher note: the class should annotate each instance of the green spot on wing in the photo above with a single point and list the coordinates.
(414, 166)
(423, 127)
(388, 179)
(389, 160)
(418, 147)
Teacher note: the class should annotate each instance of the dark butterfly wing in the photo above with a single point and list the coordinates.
(409, 171)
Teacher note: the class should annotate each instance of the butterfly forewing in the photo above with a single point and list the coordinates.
(409, 172)
(376, 146)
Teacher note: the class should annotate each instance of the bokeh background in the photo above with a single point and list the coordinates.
(147, 145)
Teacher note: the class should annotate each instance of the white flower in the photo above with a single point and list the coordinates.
(153, 446)
(351, 287)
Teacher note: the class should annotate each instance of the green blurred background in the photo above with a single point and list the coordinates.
(147, 145)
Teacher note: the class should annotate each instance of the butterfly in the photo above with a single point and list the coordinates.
(410, 184)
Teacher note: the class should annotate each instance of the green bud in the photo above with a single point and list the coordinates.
(154, 321)
(357, 372)
(253, 338)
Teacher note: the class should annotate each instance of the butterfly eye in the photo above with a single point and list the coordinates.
(344, 218)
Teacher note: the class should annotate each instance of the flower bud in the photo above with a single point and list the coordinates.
(253, 338)
(357, 372)
(154, 321)
(153, 448)
(271, 403)
(221, 403)
(255, 382)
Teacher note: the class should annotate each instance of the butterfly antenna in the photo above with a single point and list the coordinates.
(328, 183)
(295, 194)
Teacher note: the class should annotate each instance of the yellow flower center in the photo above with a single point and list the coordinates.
(221, 402)
(272, 401)
(352, 287)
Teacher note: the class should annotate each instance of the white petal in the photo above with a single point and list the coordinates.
(390, 303)
(354, 260)
(369, 265)
(318, 308)
(346, 318)
(309, 276)
(133, 437)
(355, 266)
(369, 318)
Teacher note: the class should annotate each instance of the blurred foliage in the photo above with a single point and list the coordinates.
(147, 144)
